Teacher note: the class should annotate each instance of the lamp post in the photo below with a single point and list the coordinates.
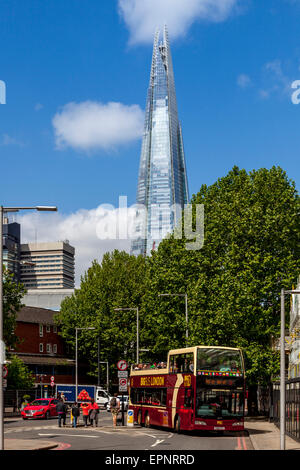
(76, 356)
(282, 365)
(2, 345)
(186, 310)
(137, 330)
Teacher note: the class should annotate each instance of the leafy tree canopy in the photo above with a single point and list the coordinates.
(19, 377)
(250, 252)
(12, 303)
(116, 282)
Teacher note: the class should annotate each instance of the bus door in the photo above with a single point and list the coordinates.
(186, 416)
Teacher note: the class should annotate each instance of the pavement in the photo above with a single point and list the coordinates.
(266, 436)
(263, 434)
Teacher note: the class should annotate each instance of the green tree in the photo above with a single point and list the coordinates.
(12, 303)
(116, 282)
(19, 376)
(251, 251)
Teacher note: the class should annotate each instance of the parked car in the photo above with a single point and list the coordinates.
(125, 399)
(40, 408)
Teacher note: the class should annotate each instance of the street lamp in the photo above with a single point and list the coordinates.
(2, 345)
(282, 365)
(186, 310)
(76, 356)
(137, 330)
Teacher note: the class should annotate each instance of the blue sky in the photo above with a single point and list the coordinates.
(234, 62)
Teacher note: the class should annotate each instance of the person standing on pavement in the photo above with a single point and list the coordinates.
(115, 408)
(61, 409)
(94, 413)
(85, 412)
(75, 414)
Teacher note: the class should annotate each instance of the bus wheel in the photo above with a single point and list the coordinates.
(177, 425)
(147, 421)
(139, 418)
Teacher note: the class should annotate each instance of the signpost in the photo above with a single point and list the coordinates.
(123, 379)
(122, 365)
(5, 372)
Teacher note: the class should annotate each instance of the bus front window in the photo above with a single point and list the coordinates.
(219, 404)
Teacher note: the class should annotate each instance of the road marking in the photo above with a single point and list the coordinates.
(69, 435)
(157, 442)
(62, 446)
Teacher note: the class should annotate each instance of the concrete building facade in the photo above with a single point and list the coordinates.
(53, 265)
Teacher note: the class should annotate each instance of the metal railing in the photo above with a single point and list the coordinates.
(292, 407)
(13, 399)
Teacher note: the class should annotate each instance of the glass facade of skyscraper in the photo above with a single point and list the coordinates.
(162, 182)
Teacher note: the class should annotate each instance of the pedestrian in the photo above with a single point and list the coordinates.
(94, 413)
(25, 401)
(75, 413)
(62, 396)
(61, 409)
(115, 408)
(85, 412)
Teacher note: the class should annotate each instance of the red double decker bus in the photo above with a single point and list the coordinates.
(198, 388)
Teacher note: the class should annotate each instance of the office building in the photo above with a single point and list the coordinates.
(11, 248)
(49, 265)
(162, 182)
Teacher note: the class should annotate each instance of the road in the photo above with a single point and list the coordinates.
(105, 437)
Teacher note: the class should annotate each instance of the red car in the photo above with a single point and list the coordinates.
(40, 408)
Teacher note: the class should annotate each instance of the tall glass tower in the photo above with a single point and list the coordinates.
(162, 183)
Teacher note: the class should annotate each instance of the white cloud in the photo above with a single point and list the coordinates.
(93, 125)
(244, 81)
(92, 232)
(275, 80)
(142, 17)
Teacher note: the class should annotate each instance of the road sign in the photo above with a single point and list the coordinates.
(4, 384)
(130, 418)
(52, 378)
(5, 372)
(52, 384)
(122, 385)
(122, 365)
(122, 373)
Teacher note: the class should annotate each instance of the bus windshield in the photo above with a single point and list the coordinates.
(219, 403)
(215, 359)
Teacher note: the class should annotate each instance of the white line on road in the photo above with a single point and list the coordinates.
(157, 442)
(69, 435)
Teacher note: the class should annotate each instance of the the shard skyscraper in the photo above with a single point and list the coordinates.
(162, 183)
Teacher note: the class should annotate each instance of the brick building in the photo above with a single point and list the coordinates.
(42, 349)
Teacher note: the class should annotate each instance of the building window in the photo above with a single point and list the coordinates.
(41, 347)
(54, 348)
(48, 348)
(55, 329)
(41, 331)
(48, 329)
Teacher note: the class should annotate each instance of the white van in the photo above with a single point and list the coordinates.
(102, 397)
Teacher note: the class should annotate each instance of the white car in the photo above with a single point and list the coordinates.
(125, 399)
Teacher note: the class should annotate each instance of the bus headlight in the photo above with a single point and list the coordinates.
(238, 424)
(202, 423)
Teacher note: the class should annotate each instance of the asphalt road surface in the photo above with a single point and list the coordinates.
(105, 437)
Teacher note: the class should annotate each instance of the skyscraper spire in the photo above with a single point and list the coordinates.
(162, 182)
